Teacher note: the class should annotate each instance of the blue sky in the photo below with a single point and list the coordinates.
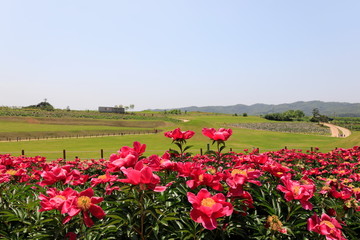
(169, 54)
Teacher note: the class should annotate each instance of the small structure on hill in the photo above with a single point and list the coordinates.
(111, 110)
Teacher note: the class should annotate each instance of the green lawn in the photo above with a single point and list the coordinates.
(24, 124)
(158, 144)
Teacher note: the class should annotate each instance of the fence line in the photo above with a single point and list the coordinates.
(201, 152)
(18, 139)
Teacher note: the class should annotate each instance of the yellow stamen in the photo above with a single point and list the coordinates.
(238, 171)
(208, 202)
(304, 182)
(201, 177)
(356, 190)
(346, 180)
(84, 202)
(11, 172)
(61, 196)
(327, 223)
(296, 190)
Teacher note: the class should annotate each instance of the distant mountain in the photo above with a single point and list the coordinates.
(331, 109)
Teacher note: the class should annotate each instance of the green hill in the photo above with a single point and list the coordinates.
(338, 109)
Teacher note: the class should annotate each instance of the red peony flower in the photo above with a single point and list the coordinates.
(178, 135)
(157, 163)
(62, 174)
(200, 177)
(55, 174)
(344, 194)
(85, 203)
(275, 168)
(237, 178)
(128, 161)
(207, 208)
(139, 148)
(294, 190)
(107, 178)
(220, 135)
(356, 192)
(241, 176)
(126, 157)
(184, 169)
(59, 200)
(327, 226)
(142, 175)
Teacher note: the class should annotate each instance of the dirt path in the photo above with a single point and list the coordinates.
(337, 131)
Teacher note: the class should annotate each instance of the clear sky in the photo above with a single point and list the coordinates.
(178, 53)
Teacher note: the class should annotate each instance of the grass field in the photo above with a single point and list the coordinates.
(86, 148)
(23, 128)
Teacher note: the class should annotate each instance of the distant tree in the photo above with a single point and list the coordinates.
(68, 108)
(132, 106)
(299, 114)
(294, 115)
(315, 112)
(245, 114)
(174, 111)
(289, 115)
(42, 106)
(317, 117)
(276, 117)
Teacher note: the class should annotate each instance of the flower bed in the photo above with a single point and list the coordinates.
(285, 194)
(290, 127)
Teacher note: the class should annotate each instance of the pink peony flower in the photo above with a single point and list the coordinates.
(178, 135)
(143, 176)
(85, 203)
(294, 190)
(220, 135)
(327, 226)
(207, 208)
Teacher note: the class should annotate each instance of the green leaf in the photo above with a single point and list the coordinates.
(188, 147)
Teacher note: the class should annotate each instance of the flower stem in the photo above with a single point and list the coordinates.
(142, 216)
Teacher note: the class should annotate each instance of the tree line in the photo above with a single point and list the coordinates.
(297, 115)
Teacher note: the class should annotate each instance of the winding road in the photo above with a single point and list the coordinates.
(337, 131)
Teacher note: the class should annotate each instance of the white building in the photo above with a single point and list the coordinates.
(111, 110)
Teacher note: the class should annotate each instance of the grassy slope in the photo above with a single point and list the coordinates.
(157, 144)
